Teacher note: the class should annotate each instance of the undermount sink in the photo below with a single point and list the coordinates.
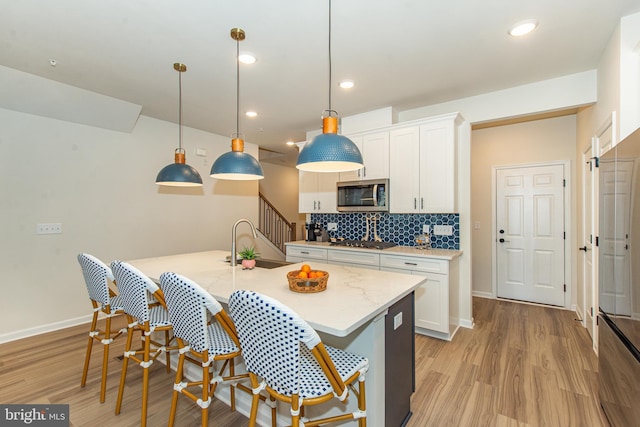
(264, 263)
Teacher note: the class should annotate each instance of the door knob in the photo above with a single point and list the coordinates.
(584, 248)
(501, 231)
(503, 241)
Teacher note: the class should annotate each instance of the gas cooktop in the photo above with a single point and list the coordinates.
(367, 244)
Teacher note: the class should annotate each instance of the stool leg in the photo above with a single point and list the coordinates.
(362, 403)
(167, 341)
(295, 407)
(205, 390)
(255, 401)
(105, 359)
(145, 380)
(87, 357)
(232, 389)
(174, 398)
(125, 364)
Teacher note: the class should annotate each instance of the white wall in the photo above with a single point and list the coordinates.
(629, 74)
(540, 141)
(100, 184)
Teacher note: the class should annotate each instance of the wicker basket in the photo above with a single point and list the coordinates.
(317, 284)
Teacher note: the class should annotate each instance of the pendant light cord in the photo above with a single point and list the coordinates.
(237, 87)
(180, 110)
(329, 57)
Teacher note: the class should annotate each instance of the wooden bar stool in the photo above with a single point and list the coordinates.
(146, 315)
(205, 334)
(96, 277)
(285, 357)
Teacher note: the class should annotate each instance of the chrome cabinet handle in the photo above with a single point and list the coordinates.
(304, 252)
(318, 204)
(421, 202)
(415, 203)
(410, 263)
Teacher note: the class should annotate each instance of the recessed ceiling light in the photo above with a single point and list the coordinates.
(523, 27)
(251, 114)
(247, 58)
(347, 84)
(291, 143)
(53, 62)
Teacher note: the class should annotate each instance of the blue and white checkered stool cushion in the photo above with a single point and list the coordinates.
(96, 276)
(276, 345)
(134, 289)
(190, 309)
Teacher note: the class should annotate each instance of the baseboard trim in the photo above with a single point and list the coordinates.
(482, 294)
(49, 327)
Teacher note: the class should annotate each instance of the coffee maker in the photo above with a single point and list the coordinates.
(311, 231)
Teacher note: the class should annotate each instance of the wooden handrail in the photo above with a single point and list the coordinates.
(274, 225)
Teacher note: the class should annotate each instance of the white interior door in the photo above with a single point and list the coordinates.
(588, 233)
(615, 205)
(530, 234)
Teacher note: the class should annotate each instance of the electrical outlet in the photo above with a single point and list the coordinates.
(332, 226)
(425, 228)
(49, 228)
(397, 321)
(443, 230)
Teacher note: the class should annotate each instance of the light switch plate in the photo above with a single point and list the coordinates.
(443, 230)
(49, 228)
(397, 321)
(332, 226)
(425, 228)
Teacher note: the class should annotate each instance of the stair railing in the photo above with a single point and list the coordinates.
(274, 225)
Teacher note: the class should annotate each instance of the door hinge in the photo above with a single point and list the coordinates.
(564, 235)
(597, 320)
(564, 182)
(591, 311)
(565, 287)
(597, 159)
(597, 241)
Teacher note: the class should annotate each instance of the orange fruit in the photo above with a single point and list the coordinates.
(313, 275)
(319, 273)
(305, 268)
(302, 275)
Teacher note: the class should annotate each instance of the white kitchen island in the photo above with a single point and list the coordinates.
(349, 314)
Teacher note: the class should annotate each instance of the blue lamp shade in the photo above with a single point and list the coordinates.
(238, 166)
(329, 152)
(179, 175)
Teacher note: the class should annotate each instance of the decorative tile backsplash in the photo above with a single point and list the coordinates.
(400, 229)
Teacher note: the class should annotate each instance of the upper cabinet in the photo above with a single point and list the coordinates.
(317, 192)
(375, 153)
(422, 167)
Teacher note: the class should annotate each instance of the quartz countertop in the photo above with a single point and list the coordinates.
(353, 297)
(447, 254)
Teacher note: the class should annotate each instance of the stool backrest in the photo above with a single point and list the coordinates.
(270, 335)
(96, 277)
(190, 309)
(135, 288)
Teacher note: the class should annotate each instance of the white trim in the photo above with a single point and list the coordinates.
(566, 164)
(483, 294)
(41, 329)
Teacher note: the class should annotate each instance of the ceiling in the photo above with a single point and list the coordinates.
(402, 53)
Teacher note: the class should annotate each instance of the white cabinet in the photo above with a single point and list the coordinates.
(374, 148)
(422, 167)
(306, 253)
(436, 300)
(351, 258)
(317, 192)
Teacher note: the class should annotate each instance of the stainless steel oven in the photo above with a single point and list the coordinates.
(363, 196)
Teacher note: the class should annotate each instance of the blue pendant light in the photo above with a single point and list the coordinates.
(179, 174)
(329, 152)
(236, 164)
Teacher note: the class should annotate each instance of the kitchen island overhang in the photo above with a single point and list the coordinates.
(349, 314)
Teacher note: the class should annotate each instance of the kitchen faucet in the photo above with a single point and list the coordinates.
(234, 254)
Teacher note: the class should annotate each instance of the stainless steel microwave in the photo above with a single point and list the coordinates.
(363, 196)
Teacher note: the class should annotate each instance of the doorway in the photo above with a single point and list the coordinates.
(587, 249)
(530, 235)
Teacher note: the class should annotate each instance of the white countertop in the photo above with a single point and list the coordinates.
(353, 297)
(447, 254)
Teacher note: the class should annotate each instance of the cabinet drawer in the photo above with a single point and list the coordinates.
(429, 265)
(354, 258)
(307, 253)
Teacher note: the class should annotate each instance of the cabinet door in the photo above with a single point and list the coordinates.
(317, 192)
(326, 192)
(432, 303)
(376, 156)
(404, 170)
(307, 192)
(355, 175)
(438, 171)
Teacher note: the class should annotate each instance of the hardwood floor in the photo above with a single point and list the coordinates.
(522, 365)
